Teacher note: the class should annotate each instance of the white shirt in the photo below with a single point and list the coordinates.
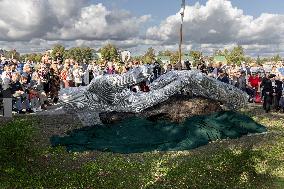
(78, 73)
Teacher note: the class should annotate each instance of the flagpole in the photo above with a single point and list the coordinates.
(180, 42)
(181, 30)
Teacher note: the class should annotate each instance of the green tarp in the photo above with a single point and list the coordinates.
(140, 135)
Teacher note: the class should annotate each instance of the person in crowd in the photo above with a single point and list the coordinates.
(187, 65)
(254, 82)
(59, 58)
(26, 88)
(277, 85)
(78, 73)
(67, 75)
(110, 68)
(202, 67)
(27, 70)
(241, 81)
(217, 69)
(178, 66)
(210, 69)
(169, 68)
(223, 77)
(272, 90)
(44, 76)
(245, 67)
(274, 71)
(17, 92)
(6, 77)
(34, 93)
(37, 85)
(129, 66)
(70, 76)
(54, 85)
(281, 102)
(157, 70)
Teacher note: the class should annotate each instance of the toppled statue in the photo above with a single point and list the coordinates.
(110, 93)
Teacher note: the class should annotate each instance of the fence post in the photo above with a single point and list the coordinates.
(7, 103)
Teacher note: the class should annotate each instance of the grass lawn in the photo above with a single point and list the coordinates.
(28, 161)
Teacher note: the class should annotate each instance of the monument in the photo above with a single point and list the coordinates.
(111, 94)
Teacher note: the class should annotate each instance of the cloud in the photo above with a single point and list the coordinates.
(218, 22)
(95, 22)
(24, 20)
(36, 25)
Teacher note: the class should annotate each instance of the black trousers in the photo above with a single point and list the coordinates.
(271, 102)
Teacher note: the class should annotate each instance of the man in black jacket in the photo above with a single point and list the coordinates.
(272, 91)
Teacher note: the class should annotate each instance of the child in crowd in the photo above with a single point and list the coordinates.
(37, 85)
(34, 93)
(26, 88)
(19, 93)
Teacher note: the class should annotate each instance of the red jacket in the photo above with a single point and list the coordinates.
(254, 81)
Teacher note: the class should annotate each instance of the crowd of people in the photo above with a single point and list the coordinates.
(263, 85)
(34, 86)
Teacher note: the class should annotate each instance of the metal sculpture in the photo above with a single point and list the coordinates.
(109, 93)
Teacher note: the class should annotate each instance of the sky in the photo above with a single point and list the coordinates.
(135, 25)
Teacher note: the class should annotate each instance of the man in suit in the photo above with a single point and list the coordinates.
(272, 91)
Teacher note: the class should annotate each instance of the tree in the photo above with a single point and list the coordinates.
(258, 60)
(218, 53)
(57, 49)
(174, 57)
(35, 57)
(110, 52)
(165, 53)
(236, 56)
(13, 54)
(79, 54)
(276, 58)
(149, 56)
(196, 55)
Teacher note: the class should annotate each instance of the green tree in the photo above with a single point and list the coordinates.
(258, 60)
(165, 53)
(149, 56)
(276, 58)
(110, 52)
(35, 57)
(236, 56)
(174, 57)
(58, 49)
(196, 55)
(79, 54)
(218, 53)
(12, 54)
